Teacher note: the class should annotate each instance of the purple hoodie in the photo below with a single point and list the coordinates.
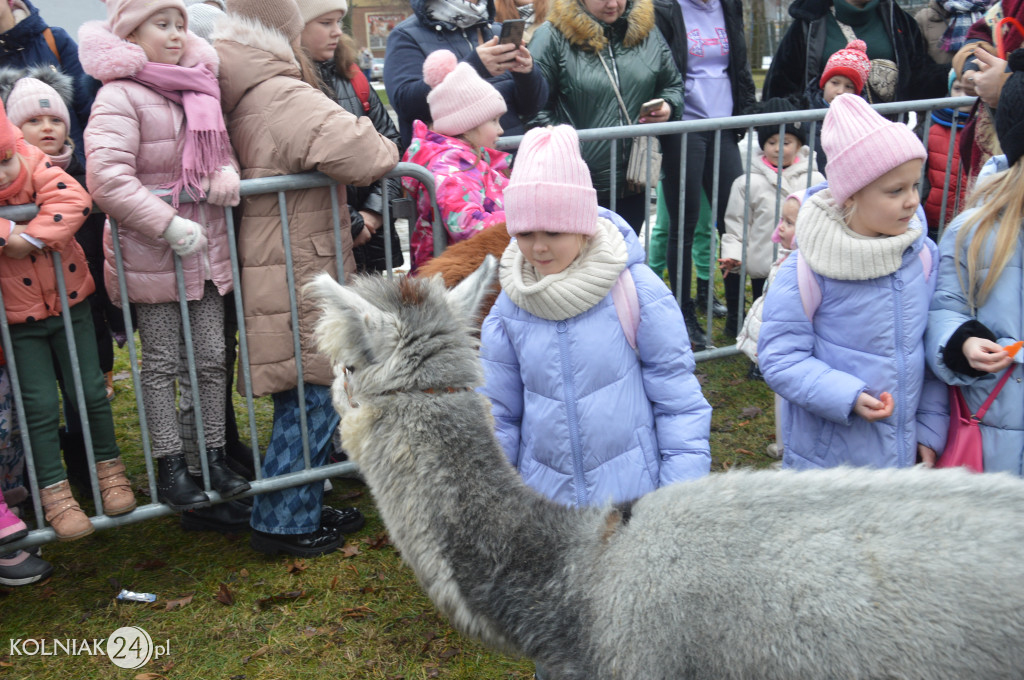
(708, 93)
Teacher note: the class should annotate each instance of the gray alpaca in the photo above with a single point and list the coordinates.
(833, 574)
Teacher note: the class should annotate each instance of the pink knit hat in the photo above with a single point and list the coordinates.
(124, 16)
(851, 62)
(550, 187)
(31, 97)
(459, 98)
(861, 146)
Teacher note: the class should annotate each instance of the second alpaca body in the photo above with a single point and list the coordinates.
(910, 574)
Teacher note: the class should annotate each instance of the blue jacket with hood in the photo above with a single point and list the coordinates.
(417, 36)
(582, 416)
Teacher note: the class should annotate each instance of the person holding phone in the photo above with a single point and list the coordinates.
(586, 51)
(532, 13)
(467, 29)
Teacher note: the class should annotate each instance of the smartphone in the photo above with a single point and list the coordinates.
(512, 32)
(647, 107)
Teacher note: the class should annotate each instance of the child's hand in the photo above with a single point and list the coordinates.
(224, 187)
(728, 265)
(926, 455)
(871, 409)
(184, 236)
(985, 355)
(18, 248)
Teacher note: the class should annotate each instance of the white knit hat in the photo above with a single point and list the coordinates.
(311, 9)
(459, 98)
(202, 18)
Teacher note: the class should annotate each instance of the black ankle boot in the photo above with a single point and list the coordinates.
(717, 308)
(222, 478)
(175, 486)
(239, 459)
(698, 340)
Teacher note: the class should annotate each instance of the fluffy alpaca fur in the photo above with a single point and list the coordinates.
(833, 574)
(460, 260)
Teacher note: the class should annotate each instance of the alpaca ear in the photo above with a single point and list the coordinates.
(343, 332)
(465, 298)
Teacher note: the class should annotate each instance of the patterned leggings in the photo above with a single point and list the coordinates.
(160, 330)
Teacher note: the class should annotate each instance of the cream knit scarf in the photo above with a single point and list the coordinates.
(572, 291)
(832, 249)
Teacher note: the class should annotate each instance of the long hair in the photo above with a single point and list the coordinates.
(308, 70)
(345, 56)
(506, 9)
(1000, 203)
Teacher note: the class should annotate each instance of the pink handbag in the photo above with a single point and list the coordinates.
(963, 443)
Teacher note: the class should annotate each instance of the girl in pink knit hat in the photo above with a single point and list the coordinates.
(586, 358)
(458, 149)
(842, 333)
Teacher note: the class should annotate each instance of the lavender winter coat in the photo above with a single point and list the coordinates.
(134, 144)
(582, 416)
(865, 336)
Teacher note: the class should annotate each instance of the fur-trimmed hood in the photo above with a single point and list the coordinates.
(251, 53)
(585, 32)
(62, 83)
(106, 57)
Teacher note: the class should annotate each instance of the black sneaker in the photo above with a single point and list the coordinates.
(698, 340)
(754, 373)
(316, 543)
(22, 568)
(341, 520)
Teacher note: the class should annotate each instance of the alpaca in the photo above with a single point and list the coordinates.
(838, 573)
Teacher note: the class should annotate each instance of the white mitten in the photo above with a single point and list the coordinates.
(224, 186)
(184, 236)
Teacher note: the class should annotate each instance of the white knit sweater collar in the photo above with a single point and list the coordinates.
(834, 250)
(572, 291)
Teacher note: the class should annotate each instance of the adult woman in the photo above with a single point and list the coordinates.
(464, 27)
(343, 81)
(817, 31)
(533, 12)
(280, 124)
(581, 50)
(718, 83)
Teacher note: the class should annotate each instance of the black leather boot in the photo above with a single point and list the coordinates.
(231, 517)
(175, 486)
(717, 308)
(222, 478)
(698, 340)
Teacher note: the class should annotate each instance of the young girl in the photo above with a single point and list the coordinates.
(766, 182)
(853, 373)
(469, 175)
(28, 282)
(584, 417)
(977, 305)
(156, 125)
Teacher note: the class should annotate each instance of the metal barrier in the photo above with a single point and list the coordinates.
(281, 186)
(748, 123)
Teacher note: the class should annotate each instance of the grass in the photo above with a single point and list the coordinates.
(228, 612)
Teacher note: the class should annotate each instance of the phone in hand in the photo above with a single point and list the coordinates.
(512, 32)
(647, 107)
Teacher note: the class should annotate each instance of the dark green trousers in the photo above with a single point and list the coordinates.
(35, 345)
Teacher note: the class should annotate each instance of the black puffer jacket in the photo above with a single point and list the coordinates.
(566, 49)
(798, 61)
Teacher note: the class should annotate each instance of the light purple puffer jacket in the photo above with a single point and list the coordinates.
(133, 144)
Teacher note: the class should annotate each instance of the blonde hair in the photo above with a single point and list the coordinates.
(1000, 209)
(308, 71)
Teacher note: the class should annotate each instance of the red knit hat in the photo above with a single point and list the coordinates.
(8, 135)
(851, 62)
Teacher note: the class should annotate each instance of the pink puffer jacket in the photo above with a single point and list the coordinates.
(133, 144)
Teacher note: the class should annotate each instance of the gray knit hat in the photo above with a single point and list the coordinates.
(280, 15)
(202, 18)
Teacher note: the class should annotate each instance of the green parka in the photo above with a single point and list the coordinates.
(580, 93)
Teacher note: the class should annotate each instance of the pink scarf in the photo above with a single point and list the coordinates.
(207, 148)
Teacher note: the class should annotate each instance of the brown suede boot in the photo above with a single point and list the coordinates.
(62, 512)
(109, 380)
(115, 489)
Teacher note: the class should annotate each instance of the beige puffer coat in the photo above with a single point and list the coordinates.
(279, 125)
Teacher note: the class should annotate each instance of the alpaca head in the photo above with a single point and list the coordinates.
(408, 334)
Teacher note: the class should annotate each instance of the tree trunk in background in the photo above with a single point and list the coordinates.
(758, 32)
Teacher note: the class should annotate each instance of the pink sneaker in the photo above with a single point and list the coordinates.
(11, 526)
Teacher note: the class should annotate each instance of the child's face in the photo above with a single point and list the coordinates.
(886, 206)
(161, 36)
(790, 146)
(9, 169)
(550, 252)
(837, 85)
(787, 225)
(957, 90)
(321, 35)
(485, 134)
(46, 132)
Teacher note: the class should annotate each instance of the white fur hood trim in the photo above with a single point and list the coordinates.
(252, 54)
(251, 33)
(106, 57)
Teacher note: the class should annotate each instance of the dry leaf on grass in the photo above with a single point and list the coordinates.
(255, 655)
(381, 540)
(150, 676)
(350, 550)
(750, 412)
(176, 604)
(224, 595)
(280, 597)
(296, 567)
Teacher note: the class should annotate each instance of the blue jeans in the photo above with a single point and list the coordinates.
(295, 510)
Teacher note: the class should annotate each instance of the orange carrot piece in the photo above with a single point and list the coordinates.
(1012, 349)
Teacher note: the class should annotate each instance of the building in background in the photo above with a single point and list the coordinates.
(372, 21)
